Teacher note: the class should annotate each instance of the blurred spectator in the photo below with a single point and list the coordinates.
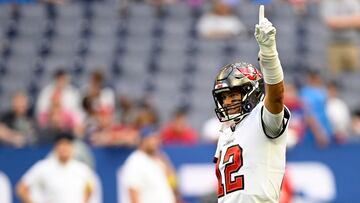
(124, 133)
(211, 130)
(314, 96)
(338, 113)
(110, 133)
(299, 6)
(97, 97)
(90, 122)
(17, 126)
(178, 131)
(220, 22)
(159, 6)
(343, 19)
(297, 123)
(55, 121)
(123, 7)
(58, 105)
(9, 137)
(58, 178)
(195, 4)
(147, 175)
(146, 114)
(303, 122)
(55, 2)
(127, 111)
(145, 117)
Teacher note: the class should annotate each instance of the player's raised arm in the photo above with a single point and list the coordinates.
(273, 114)
(270, 64)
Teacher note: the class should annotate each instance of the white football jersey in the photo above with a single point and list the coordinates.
(250, 165)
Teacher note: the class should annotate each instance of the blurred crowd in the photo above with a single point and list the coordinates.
(95, 114)
(99, 116)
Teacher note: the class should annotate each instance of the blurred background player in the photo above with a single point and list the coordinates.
(147, 175)
(250, 155)
(58, 178)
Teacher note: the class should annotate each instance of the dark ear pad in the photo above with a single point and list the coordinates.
(247, 107)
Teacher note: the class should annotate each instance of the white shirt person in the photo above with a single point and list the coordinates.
(145, 175)
(58, 178)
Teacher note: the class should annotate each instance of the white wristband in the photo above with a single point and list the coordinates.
(271, 68)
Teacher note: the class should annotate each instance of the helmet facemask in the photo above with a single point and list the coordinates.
(224, 113)
(242, 107)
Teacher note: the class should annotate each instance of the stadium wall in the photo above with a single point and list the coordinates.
(314, 175)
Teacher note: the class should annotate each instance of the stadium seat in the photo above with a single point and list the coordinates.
(116, 69)
(11, 29)
(6, 49)
(44, 47)
(3, 68)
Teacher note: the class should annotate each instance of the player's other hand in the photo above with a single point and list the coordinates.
(265, 34)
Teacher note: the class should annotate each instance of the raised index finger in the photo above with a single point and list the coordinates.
(261, 13)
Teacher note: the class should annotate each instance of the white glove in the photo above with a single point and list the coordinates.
(269, 61)
(265, 35)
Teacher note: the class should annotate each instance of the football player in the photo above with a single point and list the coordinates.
(250, 155)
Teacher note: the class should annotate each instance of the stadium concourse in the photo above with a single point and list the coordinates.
(156, 53)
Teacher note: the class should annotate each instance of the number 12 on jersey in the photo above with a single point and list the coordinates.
(231, 166)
